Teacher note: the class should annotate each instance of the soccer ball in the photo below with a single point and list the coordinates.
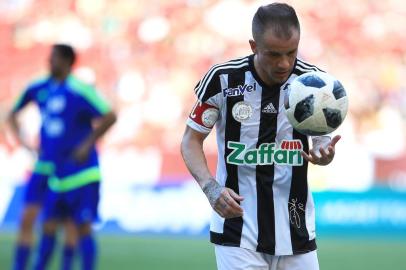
(316, 103)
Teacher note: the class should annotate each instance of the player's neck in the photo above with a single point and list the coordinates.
(60, 77)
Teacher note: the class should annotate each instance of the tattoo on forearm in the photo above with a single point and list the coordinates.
(213, 191)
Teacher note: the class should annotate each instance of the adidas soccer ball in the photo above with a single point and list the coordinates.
(316, 103)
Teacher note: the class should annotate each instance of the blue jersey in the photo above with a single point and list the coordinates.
(67, 110)
(67, 121)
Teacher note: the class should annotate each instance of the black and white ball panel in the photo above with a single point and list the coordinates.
(316, 104)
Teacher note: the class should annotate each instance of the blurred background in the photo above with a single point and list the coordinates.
(146, 57)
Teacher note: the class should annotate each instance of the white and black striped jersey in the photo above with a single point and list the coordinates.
(258, 157)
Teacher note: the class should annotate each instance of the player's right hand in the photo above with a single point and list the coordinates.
(82, 151)
(223, 200)
(227, 206)
(326, 153)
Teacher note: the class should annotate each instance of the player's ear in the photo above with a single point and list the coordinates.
(253, 45)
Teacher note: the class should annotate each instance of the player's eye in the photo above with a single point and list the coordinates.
(273, 54)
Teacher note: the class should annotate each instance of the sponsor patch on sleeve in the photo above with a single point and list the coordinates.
(204, 114)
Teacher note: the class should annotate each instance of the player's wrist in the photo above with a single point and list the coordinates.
(212, 189)
(204, 180)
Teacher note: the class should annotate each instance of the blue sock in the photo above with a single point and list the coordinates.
(88, 250)
(22, 255)
(45, 251)
(67, 260)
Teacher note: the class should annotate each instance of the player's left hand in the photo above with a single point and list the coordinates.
(326, 155)
(81, 153)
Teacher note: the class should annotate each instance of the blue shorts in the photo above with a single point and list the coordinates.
(36, 189)
(79, 204)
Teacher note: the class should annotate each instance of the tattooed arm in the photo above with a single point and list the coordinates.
(223, 200)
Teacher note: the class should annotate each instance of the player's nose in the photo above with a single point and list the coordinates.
(283, 63)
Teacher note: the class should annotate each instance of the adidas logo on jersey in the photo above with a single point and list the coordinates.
(270, 108)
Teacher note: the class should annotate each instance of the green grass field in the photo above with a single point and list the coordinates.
(128, 252)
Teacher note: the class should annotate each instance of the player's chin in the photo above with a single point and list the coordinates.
(280, 77)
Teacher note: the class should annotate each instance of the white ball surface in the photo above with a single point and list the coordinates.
(316, 103)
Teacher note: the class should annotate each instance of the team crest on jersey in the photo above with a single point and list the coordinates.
(209, 117)
(242, 111)
(287, 153)
(239, 90)
(56, 104)
(204, 114)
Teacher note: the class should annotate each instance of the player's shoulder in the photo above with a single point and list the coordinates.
(38, 83)
(78, 86)
(302, 67)
(87, 92)
(230, 66)
(209, 85)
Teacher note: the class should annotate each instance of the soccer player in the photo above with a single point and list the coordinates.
(38, 92)
(75, 116)
(263, 211)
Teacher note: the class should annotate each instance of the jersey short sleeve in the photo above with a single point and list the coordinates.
(205, 112)
(208, 87)
(35, 92)
(25, 97)
(94, 104)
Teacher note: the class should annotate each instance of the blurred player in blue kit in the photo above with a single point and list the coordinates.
(72, 108)
(74, 117)
(37, 185)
